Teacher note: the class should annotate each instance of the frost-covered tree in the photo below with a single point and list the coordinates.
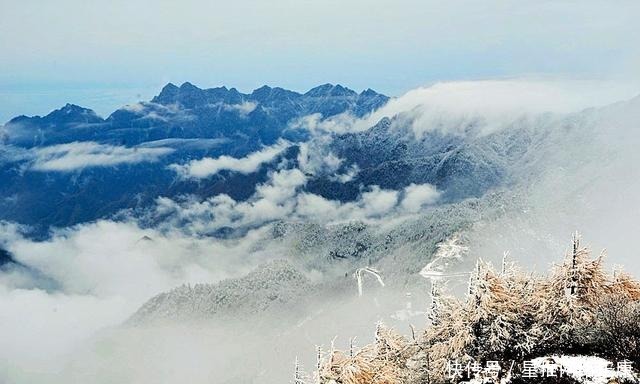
(508, 315)
(435, 303)
(383, 362)
(567, 298)
(299, 376)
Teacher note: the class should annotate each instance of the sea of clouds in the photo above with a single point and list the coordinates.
(63, 300)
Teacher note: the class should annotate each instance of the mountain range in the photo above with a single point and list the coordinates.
(186, 122)
(188, 112)
(73, 166)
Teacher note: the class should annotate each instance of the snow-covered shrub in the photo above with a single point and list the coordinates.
(616, 333)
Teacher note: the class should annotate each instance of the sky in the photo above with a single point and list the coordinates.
(106, 54)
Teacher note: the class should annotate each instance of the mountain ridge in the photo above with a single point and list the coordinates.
(260, 117)
(169, 90)
(224, 121)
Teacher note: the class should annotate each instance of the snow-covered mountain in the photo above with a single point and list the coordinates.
(248, 120)
(263, 231)
(274, 286)
(102, 166)
(508, 179)
(72, 166)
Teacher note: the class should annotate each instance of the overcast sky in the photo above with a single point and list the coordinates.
(102, 54)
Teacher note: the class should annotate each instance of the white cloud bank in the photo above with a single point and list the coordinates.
(206, 167)
(281, 198)
(79, 155)
(90, 277)
(512, 96)
(242, 109)
(489, 104)
(314, 157)
(419, 195)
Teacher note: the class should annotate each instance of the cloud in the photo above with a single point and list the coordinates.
(582, 179)
(488, 105)
(62, 308)
(348, 176)
(373, 204)
(495, 103)
(151, 110)
(91, 277)
(89, 258)
(175, 143)
(135, 107)
(282, 198)
(10, 154)
(317, 124)
(418, 195)
(205, 167)
(315, 158)
(79, 155)
(271, 201)
(39, 326)
(378, 201)
(243, 109)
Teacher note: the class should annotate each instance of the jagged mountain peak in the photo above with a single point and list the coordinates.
(369, 92)
(68, 114)
(264, 88)
(266, 92)
(169, 86)
(20, 119)
(169, 91)
(72, 113)
(187, 86)
(189, 94)
(71, 107)
(329, 89)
